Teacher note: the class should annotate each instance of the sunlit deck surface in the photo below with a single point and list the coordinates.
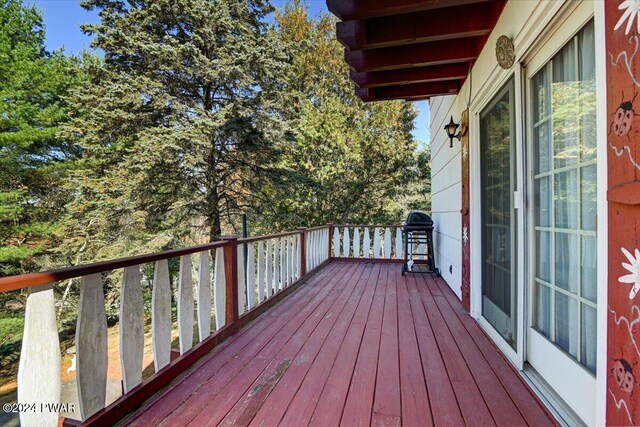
(358, 344)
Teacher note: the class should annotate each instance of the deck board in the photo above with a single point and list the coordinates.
(357, 345)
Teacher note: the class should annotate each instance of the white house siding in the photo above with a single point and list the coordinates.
(445, 194)
(522, 21)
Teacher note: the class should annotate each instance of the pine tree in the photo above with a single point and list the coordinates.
(178, 124)
(357, 159)
(34, 159)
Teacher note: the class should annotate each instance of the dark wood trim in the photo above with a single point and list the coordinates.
(414, 91)
(303, 251)
(231, 280)
(35, 279)
(361, 9)
(409, 28)
(415, 55)
(435, 73)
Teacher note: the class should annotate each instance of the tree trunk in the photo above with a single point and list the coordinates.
(215, 229)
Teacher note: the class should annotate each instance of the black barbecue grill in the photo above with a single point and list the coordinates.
(418, 233)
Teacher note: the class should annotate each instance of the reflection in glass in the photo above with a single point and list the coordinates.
(497, 172)
(566, 323)
(563, 128)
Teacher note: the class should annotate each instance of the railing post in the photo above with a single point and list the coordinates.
(303, 251)
(330, 238)
(230, 249)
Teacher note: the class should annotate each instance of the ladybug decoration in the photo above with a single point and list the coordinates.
(623, 117)
(623, 374)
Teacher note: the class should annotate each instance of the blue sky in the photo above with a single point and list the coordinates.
(62, 19)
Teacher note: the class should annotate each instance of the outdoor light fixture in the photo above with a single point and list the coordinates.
(451, 131)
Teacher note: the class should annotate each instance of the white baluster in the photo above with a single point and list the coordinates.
(376, 243)
(283, 260)
(299, 256)
(251, 277)
(220, 289)
(261, 271)
(387, 243)
(356, 242)
(131, 328)
(204, 296)
(366, 243)
(39, 378)
(276, 264)
(292, 259)
(346, 243)
(91, 347)
(242, 290)
(421, 251)
(317, 242)
(307, 255)
(161, 315)
(269, 267)
(185, 305)
(286, 243)
(398, 243)
(336, 242)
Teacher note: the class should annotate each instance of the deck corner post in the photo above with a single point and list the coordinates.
(303, 251)
(230, 249)
(329, 247)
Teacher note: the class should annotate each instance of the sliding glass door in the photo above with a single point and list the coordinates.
(497, 145)
(562, 334)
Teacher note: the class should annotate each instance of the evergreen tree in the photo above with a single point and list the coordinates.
(178, 124)
(33, 158)
(358, 159)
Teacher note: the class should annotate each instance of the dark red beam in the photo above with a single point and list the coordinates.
(362, 9)
(441, 24)
(416, 55)
(404, 76)
(410, 92)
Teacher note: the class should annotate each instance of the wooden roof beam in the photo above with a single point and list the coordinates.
(404, 76)
(410, 92)
(433, 25)
(416, 55)
(362, 9)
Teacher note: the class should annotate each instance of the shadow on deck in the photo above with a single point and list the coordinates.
(358, 344)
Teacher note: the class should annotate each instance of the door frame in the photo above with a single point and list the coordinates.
(545, 23)
(514, 355)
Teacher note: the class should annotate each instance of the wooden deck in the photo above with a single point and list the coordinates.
(358, 344)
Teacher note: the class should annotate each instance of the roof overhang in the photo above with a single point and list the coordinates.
(404, 49)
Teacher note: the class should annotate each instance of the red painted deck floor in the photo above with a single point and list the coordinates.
(359, 344)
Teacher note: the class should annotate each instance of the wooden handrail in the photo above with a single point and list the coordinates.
(243, 287)
(266, 237)
(12, 283)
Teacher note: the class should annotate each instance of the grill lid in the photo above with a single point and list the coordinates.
(419, 219)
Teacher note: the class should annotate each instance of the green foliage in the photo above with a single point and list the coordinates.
(33, 158)
(178, 125)
(10, 338)
(354, 161)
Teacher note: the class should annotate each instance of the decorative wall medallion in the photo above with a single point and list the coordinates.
(505, 53)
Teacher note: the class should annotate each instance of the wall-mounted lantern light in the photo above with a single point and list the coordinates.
(451, 131)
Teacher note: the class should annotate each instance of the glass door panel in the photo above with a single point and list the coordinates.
(498, 222)
(564, 188)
